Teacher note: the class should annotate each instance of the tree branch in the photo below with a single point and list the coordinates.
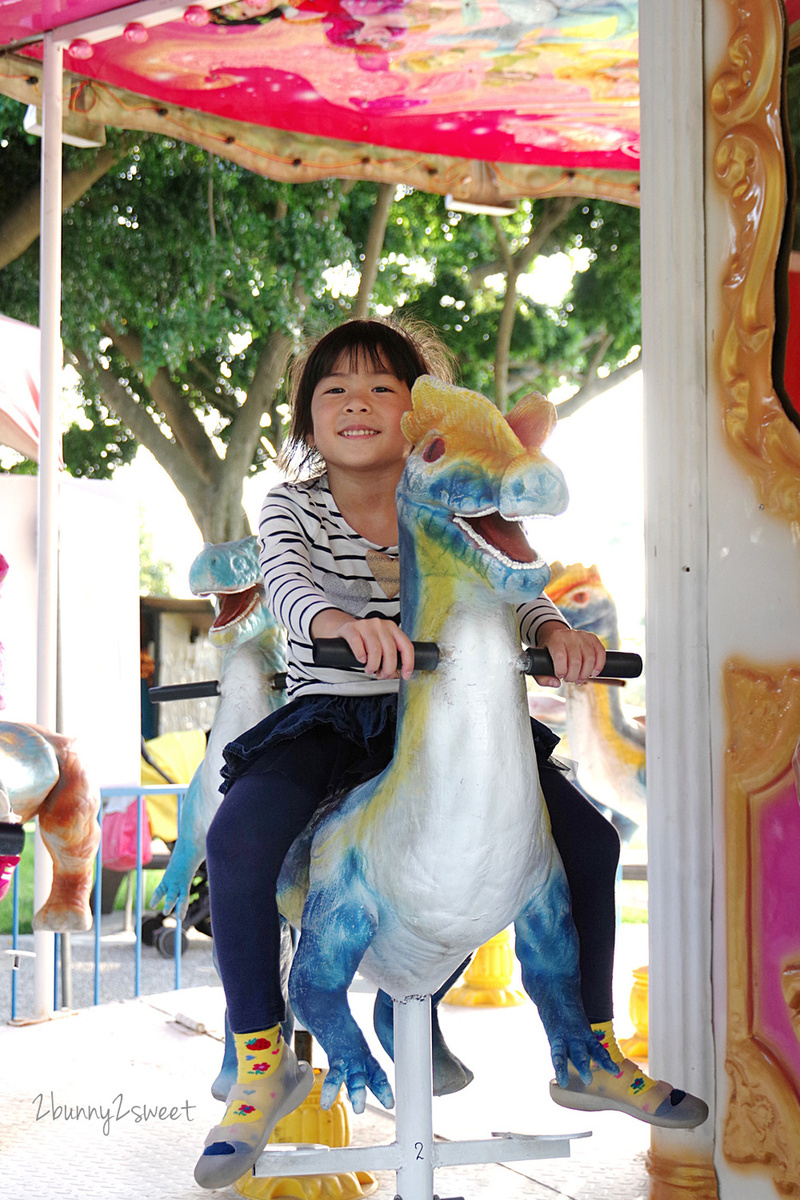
(21, 228)
(372, 250)
(505, 328)
(246, 425)
(183, 422)
(597, 387)
(144, 428)
(553, 213)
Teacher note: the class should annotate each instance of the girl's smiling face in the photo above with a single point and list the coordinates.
(356, 412)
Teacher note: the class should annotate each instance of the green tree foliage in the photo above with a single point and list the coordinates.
(188, 281)
(155, 574)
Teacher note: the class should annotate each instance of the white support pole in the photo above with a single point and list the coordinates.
(49, 440)
(414, 1087)
(679, 775)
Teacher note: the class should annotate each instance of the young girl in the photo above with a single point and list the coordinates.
(325, 547)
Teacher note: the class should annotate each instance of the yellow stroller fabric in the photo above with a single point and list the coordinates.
(178, 755)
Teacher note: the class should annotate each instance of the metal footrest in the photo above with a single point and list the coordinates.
(415, 1154)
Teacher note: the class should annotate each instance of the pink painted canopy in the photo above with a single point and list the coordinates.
(548, 83)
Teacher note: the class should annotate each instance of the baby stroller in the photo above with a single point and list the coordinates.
(171, 758)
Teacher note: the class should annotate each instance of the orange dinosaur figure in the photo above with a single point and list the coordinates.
(42, 775)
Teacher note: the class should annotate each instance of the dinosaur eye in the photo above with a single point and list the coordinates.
(434, 450)
(580, 597)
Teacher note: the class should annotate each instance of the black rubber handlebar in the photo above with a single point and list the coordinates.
(208, 687)
(184, 691)
(335, 652)
(619, 664)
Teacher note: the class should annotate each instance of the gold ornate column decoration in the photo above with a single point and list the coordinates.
(749, 167)
(762, 1123)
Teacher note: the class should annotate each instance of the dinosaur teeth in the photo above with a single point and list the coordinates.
(233, 606)
(503, 539)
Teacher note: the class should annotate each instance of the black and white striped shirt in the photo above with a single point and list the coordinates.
(312, 560)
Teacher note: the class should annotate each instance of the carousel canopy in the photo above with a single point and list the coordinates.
(484, 99)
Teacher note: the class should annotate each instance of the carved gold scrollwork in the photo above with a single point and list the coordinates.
(672, 1179)
(749, 167)
(790, 986)
(756, 1129)
(762, 1122)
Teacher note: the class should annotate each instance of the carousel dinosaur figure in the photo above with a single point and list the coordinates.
(253, 652)
(608, 746)
(41, 774)
(411, 870)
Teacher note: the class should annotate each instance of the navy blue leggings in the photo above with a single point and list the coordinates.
(268, 806)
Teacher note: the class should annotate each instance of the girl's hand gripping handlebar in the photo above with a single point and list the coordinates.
(335, 652)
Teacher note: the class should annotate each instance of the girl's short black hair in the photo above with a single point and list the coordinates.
(403, 349)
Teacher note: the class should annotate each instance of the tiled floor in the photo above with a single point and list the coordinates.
(125, 1056)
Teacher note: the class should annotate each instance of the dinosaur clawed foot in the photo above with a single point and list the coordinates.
(60, 919)
(450, 1074)
(357, 1073)
(580, 1050)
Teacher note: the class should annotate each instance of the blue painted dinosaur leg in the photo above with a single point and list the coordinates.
(336, 932)
(450, 1074)
(547, 948)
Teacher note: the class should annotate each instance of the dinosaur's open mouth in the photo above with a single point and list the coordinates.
(506, 538)
(233, 606)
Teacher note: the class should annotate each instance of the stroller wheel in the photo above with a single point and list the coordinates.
(164, 941)
(151, 924)
(204, 926)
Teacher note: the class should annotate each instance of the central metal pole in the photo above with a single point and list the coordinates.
(414, 1086)
(49, 440)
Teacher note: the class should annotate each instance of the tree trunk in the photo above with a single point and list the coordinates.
(373, 248)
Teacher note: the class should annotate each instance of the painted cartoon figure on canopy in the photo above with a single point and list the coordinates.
(411, 870)
(41, 773)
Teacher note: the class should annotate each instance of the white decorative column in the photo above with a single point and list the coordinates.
(679, 775)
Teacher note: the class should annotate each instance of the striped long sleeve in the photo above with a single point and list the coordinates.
(312, 560)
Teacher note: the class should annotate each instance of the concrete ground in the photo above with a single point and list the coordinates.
(127, 1055)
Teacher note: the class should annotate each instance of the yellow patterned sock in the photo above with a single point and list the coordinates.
(630, 1091)
(258, 1055)
(271, 1083)
(632, 1082)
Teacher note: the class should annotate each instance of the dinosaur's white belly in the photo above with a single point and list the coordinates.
(462, 846)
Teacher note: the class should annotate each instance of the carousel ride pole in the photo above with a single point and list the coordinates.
(49, 438)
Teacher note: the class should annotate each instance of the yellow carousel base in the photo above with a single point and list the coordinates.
(487, 980)
(309, 1123)
(472, 997)
(636, 1047)
(349, 1186)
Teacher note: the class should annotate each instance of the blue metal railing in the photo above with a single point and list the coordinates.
(172, 789)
